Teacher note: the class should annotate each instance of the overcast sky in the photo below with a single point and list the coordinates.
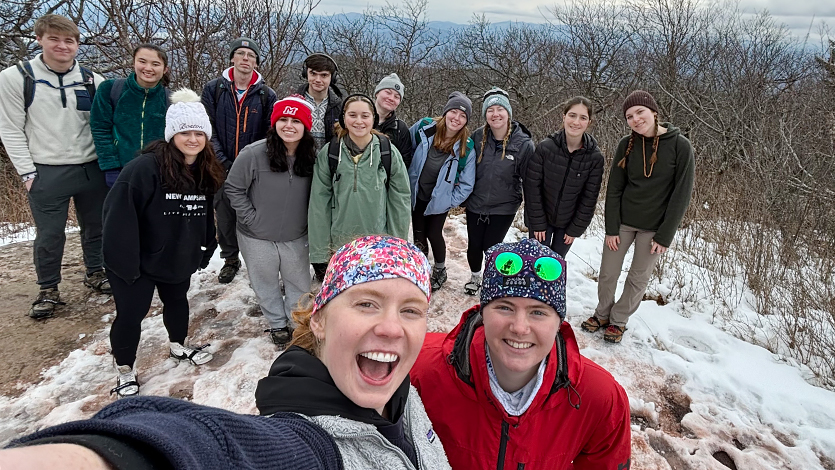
(798, 15)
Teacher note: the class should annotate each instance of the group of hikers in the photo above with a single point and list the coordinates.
(317, 180)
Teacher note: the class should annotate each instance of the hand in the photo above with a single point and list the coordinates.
(227, 165)
(568, 239)
(540, 236)
(67, 456)
(28, 184)
(655, 248)
(612, 241)
(110, 177)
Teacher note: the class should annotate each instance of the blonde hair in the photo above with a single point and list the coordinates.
(447, 145)
(57, 24)
(303, 336)
(504, 141)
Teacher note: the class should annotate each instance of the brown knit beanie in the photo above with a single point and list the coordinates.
(640, 98)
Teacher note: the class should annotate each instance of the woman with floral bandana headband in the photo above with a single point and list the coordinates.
(508, 388)
(338, 398)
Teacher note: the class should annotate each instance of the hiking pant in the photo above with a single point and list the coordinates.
(429, 227)
(266, 261)
(132, 304)
(49, 200)
(618, 313)
(227, 233)
(484, 231)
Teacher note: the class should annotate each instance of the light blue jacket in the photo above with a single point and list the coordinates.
(453, 186)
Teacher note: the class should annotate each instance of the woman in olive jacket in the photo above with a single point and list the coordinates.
(563, 180)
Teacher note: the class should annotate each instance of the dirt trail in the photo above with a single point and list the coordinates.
(27, 346)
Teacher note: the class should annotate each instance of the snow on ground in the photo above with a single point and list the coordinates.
(21, 233)
(698, 395)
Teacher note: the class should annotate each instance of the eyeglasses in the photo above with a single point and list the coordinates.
(546, 268)
(247, 54)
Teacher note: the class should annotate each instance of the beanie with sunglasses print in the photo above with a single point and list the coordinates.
(524, 269)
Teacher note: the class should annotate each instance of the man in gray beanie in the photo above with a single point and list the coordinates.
(387, 96)
(239, 105)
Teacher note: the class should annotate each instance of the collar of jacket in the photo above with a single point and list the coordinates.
(229, 76)
(299, 382)
(464, 346)
(518, 133)
(389, 123)
(333, 98)
(589, 143)
(132, 84)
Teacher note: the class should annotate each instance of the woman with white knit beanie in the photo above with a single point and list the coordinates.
(158, 230)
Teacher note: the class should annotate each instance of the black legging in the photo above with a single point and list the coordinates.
(132, 304)
(429, 227)
(484, 231)
(554, 239)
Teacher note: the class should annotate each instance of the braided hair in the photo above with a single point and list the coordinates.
(504, 141)
(654, 158)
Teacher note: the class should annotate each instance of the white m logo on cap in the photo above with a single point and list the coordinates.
(290, 110)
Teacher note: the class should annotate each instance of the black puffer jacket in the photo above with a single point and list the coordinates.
(561, 187)
(236, 124)
(398, 132)
(498, 181)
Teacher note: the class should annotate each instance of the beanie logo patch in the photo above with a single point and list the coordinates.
(245, 43)
(521, 281)
(187, 126)
(396, 86)
(462, 108)
(291, 110)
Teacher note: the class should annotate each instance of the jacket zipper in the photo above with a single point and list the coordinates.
(503, 445)
(142, 122)
(564, 179)
(355, 175)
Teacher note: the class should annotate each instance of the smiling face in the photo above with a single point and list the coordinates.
(244, 60)
(149, 68)
(641, 120)
(576, 120)
(370, 336)
(455, 120)
(497, 118)
(289, 129)
(359, 119)
(520, 333)
(387, 101)
(59, 50)
(191, 143)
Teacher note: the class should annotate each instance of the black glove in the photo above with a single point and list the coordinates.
(319, 270)
(227, 165)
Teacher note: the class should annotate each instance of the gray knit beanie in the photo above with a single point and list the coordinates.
(496, 96)
(458, 100)
(640, 98)
(391, 82)
(245, 42)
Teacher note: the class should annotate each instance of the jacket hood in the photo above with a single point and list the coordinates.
(589, 142)
(464, 345)
(228, 74)
(672, 132)
(519, 134)
(299, 382)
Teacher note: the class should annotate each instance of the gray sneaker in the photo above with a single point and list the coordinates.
(44, 305)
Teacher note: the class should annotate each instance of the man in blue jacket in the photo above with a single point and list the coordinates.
(239, 104)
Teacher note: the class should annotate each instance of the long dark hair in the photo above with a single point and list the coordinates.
(166, 76)
(305, 153)
(176, 175)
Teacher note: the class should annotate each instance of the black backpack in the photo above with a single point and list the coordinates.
(385, 157)
(119, 85)
(29, 81)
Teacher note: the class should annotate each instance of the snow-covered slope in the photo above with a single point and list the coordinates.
(698, 395)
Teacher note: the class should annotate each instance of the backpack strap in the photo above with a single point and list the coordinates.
(218, 90)
(462, 159)
(116, 91)
(167, 96)
(385, 157)
(25, 69)
(89, 81)
(333, 158)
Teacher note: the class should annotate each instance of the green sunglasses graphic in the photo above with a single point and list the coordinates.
(546, 268)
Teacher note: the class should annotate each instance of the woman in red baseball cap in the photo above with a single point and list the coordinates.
(269, 188)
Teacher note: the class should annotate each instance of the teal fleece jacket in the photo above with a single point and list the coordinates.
(138, 119)
(658, 202)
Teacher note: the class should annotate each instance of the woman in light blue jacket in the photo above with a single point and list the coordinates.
(441, 175)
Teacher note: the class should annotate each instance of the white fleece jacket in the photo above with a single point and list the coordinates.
(54, 132)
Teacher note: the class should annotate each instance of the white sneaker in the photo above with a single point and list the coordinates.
(196, 356)
(126, 384)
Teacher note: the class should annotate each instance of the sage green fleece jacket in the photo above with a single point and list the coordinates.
(356, 202)
(658, 202)
(137, 120)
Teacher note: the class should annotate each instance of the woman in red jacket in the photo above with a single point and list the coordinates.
(508, 388)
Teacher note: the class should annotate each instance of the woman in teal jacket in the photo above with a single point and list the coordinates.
(441, 176)
(129, 113)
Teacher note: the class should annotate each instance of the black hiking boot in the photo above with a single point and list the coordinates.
(98, 282)
(280, 336)
(44, 305)
(438, 278)
(228, 271)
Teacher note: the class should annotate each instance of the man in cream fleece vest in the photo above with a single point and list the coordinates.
(51, 147)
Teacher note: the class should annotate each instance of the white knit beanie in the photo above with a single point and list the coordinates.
(186, 113)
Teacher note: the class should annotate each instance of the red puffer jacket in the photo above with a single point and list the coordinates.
(579, 415)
